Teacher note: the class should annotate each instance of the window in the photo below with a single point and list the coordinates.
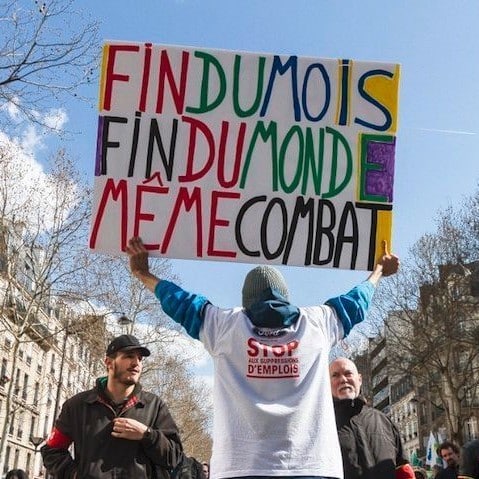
(16, 389)
(20, 426)
(25, 387)
(6, 466)
(8, 344)
(45, 426)
(52, 366)
(32, 426)
(471, 428)
(29, 460)
(3, 371)
(36, 393)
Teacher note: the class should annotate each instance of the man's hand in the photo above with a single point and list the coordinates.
(139, 263)
(386, 266)
(389, 262)
(126, 428)
(138, 257)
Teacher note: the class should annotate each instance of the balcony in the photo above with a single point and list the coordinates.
(41, 335)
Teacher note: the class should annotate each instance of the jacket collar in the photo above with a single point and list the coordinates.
(99, 393)
(349, 406)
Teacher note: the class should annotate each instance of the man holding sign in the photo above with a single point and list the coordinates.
(274, 413)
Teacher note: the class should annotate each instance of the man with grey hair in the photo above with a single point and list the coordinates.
(273, 414)
(371, 445)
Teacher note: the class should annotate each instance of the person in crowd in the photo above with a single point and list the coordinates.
(16, 474)
(420, 473)
(206, 470)
(469, 460)
(370, 443)
(273, 412)
(449, 452)
(436, 469)
(117, 428)
(188, 468)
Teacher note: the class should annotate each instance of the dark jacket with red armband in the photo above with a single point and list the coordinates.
(86, 422)
(371, 445)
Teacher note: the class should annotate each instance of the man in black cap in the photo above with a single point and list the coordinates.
(273, 411)
(117, 429)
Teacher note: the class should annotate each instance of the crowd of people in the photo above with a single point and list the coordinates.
(280, 408)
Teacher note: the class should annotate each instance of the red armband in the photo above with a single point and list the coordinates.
(58, 440)
(405, 472)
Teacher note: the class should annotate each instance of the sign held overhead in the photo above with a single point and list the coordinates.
(245, 157)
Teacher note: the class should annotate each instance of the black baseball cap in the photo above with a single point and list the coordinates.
(126, 342)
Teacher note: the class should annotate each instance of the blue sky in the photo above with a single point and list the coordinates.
(435, 41)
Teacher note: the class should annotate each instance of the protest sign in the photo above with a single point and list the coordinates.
(245, 157)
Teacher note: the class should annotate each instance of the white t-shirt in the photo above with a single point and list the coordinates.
(274, 412)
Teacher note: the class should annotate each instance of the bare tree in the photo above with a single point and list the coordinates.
(188, 400)
(433, 318)
(42, 224)
(115, 289)
(48, 50)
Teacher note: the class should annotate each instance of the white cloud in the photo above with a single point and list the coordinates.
(33, 136)
(26, 187)
(56, 118)
(31, 141)
(11, 108)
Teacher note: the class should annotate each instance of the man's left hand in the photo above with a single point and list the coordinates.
(126, 428)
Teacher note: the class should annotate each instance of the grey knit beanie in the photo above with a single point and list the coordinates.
(259, 279)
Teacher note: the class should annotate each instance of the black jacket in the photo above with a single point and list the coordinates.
(470, 459)
(370, 443)
(86, 420)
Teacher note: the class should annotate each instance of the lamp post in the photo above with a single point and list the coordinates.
(125, 323)
(36, 441)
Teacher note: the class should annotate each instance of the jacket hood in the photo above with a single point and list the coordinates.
(272, 311)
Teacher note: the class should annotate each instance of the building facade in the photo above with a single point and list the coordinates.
(47, 353)
(444, 325)
(37, 375)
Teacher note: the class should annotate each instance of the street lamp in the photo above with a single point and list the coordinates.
(36, 441)
(124, 322)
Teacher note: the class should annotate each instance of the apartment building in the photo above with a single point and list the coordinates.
(37, 374)
(48, 352)
(418, 403)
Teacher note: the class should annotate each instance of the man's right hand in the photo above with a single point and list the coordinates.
(389, 262)
(387, 265)
(139, 265)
